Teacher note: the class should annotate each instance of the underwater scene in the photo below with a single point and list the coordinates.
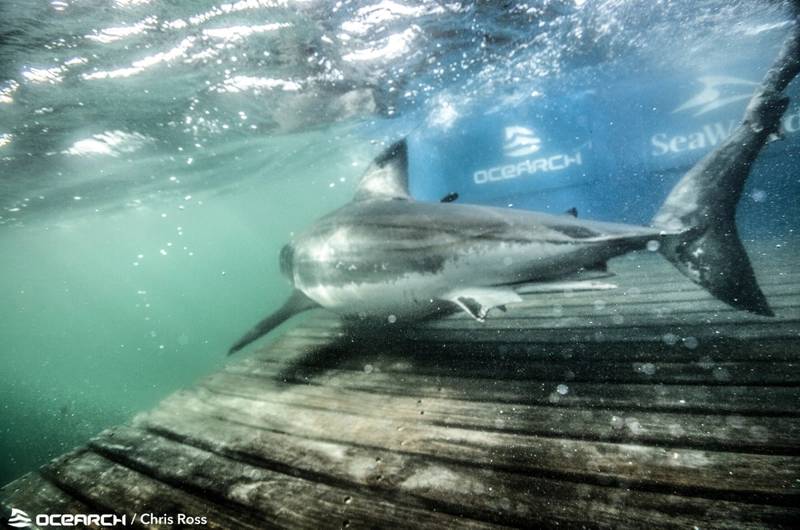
(344, 264)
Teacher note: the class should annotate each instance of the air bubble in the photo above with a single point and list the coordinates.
(599, 305)
(653, 245)
(647, 368)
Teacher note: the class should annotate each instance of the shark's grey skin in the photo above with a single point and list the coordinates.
(385, 255)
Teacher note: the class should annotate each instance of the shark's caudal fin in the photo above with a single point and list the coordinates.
(701, 208)
(297, 303)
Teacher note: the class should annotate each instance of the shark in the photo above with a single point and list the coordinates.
(386, 255)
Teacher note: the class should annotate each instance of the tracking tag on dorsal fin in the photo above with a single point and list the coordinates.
(387, 177)
(572, 211)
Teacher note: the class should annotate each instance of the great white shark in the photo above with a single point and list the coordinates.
(386, 255)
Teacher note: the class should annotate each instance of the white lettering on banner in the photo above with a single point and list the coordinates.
(710, 135)
(527, 167)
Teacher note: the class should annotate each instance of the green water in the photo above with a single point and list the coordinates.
(155, 157)
(89, 338)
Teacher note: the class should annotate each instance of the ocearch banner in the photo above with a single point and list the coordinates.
(503, 158)
(611, 151)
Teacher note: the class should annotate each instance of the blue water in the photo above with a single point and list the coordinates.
(155, 156)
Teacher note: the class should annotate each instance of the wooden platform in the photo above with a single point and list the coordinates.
(650, 405)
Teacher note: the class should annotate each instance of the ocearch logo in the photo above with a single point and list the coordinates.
(19, 519)
(520, 141)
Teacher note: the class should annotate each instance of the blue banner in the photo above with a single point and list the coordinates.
(612, 151)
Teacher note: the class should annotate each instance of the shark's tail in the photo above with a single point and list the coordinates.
(698, 216)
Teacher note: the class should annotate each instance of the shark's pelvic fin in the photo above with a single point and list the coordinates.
(478, 301)
(387, 177)
(297, 303)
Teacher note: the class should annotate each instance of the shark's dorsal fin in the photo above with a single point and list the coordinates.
(387, 177)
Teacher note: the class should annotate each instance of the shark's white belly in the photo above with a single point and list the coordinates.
(411, 296)
(414, 294)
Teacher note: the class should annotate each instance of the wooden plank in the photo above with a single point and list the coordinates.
(669, 373)
(629, 334)
(301, 343)
(33, 494)
(716, 474)
(271, 497)
(743, 400)
(499, 496)
(108, 487)
(740, 433)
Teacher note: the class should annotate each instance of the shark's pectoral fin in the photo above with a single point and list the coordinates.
(478, 301)
(297, 303)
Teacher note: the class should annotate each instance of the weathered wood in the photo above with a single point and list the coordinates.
(34, 495)
(303, 346)
(602, 334)
(498, 496)
(276, 498)
(107, 487)
(721, 475)
(762, 374)
(763, 401)
(742, 433)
